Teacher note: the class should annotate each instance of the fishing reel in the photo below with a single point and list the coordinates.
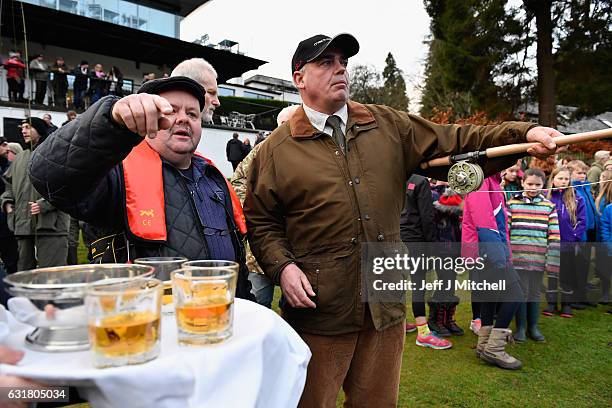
(465, 175)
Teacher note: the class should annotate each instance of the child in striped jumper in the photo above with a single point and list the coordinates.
(534, 238)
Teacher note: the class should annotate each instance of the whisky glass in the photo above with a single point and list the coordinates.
(204, 301)
(163, 265)
(123, 318)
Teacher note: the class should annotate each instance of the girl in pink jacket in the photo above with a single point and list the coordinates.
(485, 236)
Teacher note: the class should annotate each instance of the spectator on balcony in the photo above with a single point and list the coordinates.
(234, 151)
(148, 77)
(81, 77)
(39, 68)
(97, 83)
(115, 78)
(15, 76)
(60, 82)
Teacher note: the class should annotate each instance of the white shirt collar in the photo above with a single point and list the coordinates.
(319, 120)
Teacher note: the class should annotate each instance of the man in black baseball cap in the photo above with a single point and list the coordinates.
(311, 48)
(127, 167)
(307, 229)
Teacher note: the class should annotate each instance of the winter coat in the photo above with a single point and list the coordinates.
(606, 227)
(79, 168)
(60, 73)
(80, 79)
(310, 204)
(534, 234)
(447, 216)
(239, 182)
(14, 68)
(234, 150)
(485, 220)
(4, 230)
(417, 218)
(39, 70)
(511, 190)
(583, 189)
(570, 232)
(20, 193)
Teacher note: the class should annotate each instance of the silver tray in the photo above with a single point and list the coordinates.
(65, 286)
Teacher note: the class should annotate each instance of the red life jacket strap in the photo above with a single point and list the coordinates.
(144, 193)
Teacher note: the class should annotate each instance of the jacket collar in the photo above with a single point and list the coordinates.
(301, 127)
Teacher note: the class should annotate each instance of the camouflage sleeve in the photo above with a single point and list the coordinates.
(239, 178)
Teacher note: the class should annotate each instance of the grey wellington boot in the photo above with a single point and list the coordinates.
(483, 338)
(495, 350)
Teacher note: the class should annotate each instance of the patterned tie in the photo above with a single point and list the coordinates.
(334, 121)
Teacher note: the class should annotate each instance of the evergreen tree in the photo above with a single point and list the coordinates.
(472, 57)
(394, 87)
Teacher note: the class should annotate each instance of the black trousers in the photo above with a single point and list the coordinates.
(41, 91)
(9, 253)
(15, 90)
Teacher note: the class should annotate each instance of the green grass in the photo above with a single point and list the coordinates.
(572, 369)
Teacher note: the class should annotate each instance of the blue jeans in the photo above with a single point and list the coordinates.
(263, 289)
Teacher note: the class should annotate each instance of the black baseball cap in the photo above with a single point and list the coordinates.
(157, 86)
(2, 140)
(309, 49)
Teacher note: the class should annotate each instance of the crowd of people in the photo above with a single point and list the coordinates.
(329, 180)
(555, 222)
(49, 82)
(33, 233)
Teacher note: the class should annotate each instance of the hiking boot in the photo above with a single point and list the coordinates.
(450, 322)
(483, 338)
(495, 350)
(436, 319)
(410, 327)
(550, 310)
(566, 311)
(520, 334)
(533, 315)
(475, 326)
(433, 341)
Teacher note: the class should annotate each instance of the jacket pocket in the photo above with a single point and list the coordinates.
(333, 283)
(47, 222)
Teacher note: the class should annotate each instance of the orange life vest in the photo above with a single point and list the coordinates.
(144, 194)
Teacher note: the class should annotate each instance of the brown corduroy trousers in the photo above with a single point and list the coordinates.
(366, 364)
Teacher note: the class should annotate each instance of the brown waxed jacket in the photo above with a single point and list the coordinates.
(310, 204)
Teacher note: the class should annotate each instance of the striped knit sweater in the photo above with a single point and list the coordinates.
(534, 234)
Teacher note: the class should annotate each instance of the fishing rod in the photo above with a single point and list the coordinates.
(465, 174)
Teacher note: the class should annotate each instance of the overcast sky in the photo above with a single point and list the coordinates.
(271, 29)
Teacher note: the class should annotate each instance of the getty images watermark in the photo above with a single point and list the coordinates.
(393, 272)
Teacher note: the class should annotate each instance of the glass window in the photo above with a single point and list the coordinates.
(256, 95)
(226, 91)
(119, 12)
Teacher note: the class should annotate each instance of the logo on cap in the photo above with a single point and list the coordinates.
(321, 41)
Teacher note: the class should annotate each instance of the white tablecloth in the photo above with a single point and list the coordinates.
(262, 365)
